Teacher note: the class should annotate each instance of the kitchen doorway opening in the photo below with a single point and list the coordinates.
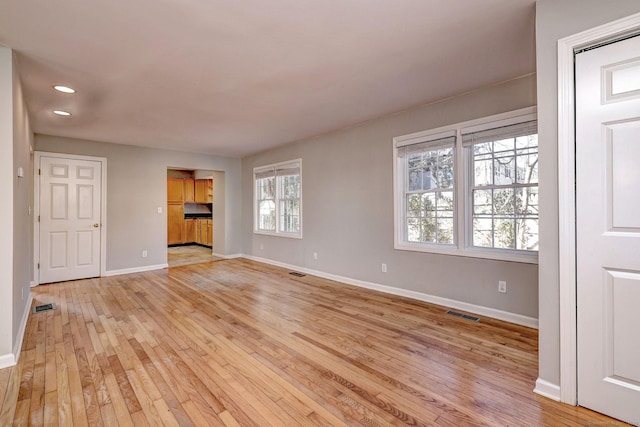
(192, 215)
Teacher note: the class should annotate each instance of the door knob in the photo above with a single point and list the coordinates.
(96, 225)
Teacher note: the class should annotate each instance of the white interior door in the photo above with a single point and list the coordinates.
(70, 219)
(608, 228)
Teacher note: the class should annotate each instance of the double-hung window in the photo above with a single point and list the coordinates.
(503, 186)
(278, 199)
(428, 190)
(470, 189)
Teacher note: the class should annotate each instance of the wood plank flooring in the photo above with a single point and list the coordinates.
(191, 254)
(239, 343)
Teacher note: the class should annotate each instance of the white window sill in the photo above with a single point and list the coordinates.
(493, 254)
(275, 234)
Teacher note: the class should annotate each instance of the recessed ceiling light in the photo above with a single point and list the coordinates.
(61, 113)
(64, 89)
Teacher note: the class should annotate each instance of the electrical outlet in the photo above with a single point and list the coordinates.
(144, 253)
(502, 286)
(315, 255)
(159, 209)
(384, 267)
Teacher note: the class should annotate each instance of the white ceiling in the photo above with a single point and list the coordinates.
(233, 77)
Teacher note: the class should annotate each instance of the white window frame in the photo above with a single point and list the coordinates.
(462, 190)
(297, 163)
(432, 138)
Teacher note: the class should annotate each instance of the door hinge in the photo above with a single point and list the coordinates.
(39, 171)
(38, 218)
(38, 266)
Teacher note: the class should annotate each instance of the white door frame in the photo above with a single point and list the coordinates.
(36, 208)
(567, 195)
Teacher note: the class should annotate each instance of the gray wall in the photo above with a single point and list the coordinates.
(15, 231)
(137, 186)
(219, 217)
(6, 208)
(347, 186)
(556, 19)
(22, 196)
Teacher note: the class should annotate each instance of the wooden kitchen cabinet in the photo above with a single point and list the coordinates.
(209, 233)
(204, 232)
(204, 191)
(175, 223)
(175, 190)
(190, 230)
(189, 190)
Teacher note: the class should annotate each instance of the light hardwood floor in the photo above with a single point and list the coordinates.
(237, 342)
(192, 254)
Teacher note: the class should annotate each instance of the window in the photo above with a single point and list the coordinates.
(278, 199)
(429, 191)
(504, 186)
(470, 189)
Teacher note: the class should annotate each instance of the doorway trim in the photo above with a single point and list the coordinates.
(36, 208)
(566, 192)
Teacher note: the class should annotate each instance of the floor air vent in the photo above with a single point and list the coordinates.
(295, 273)
(463, 316)
(44, 307)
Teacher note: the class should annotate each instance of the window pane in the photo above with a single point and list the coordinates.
(528, 234)
(527, 141)
(430, 170)
(415, 161)
(504, 146)
(483, 151)
(504, 169)
(440, 164)
(290, 216)
(482, 202)
(266, 188)
(445, 168)
(290, 186)
(428, 230)
(290, 223)
(527, 168)
(429, 204)
(504, 202)
(415, 179)
(414, 205)
(267, 215)
(290, 207)
(504, 233)
(527, 201)
(482, 232)
(445, 230)
(413, 229)
(445, 202)
(483, 173)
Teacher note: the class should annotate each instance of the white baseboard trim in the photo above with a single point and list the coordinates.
(21, 330)
(230, 256)
(11, 359)
(518, 319)
(33, 284)
(7, 360)
(136, 269)
(547, 389)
